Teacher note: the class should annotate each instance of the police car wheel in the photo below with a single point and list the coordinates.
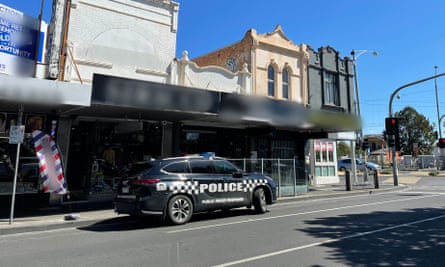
(259, 200)
(180, 209)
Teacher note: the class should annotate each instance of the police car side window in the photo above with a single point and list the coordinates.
(202, 166)
(223, 167)
(178, 167)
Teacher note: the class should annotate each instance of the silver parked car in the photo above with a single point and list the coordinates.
(346, 164)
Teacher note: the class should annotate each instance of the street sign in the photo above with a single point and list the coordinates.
(16, 134)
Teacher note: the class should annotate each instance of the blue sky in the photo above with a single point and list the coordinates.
(409, 36)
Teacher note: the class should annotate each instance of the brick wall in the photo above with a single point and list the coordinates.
(240, 52)
(259, 51)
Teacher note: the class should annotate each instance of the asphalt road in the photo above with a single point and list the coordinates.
(388, 229)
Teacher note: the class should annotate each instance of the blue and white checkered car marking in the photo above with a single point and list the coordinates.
(188, 187)
(194, 188)
(249, 185)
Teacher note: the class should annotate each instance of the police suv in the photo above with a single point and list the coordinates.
(175, 188)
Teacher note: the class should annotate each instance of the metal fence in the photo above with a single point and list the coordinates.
(289, 174)
(421, 162)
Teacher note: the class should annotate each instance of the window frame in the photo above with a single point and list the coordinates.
(185, 164)
(210, 168)
(285, 83)
(331, 93)
(218, 165)
(271, 81)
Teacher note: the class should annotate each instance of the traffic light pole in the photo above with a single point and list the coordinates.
(395, 170)
(394, 161)
(408, 85)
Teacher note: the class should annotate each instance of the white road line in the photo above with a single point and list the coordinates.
(279, 252)
(37, 232)
(374, 193)
(294, 214)
(424, 192)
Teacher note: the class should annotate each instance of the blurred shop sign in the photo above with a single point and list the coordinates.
(16, 134)
(19, 34)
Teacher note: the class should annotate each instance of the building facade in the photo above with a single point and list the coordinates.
(122, 38)
(278, 66)
(331, 89)
(330, 81)
(317, 80)
(255, 101)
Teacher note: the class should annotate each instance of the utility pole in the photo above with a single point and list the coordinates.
(437, 103)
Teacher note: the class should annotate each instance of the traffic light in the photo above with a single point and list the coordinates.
(391, 125)
(392, 132)
(390, 140)
(358, 144)
(441, 143)
(397, 141)
(365, 144)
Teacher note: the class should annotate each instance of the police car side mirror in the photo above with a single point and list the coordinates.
(237, 175)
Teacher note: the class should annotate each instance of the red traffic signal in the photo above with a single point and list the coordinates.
(441, 142)
(392, 125)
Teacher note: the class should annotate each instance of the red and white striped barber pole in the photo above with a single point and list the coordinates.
(51, 169)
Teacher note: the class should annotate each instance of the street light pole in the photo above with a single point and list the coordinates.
(391, 98)
(355, 54)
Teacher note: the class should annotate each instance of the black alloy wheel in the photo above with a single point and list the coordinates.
(180, 209)
(259, 200)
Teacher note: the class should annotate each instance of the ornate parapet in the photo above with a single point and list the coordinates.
(187, 73)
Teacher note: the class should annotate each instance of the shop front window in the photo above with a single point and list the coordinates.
(324, 158)
(28, 175)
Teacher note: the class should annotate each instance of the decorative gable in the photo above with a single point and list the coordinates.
(276, 38)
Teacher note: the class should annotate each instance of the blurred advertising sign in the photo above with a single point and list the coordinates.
(18, 42)
(16, 134)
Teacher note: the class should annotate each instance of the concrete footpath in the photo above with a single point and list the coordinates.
(82, 214)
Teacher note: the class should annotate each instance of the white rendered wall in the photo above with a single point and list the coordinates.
(121, 38)
(186, 73)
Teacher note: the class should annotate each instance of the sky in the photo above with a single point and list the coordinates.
(408, 35)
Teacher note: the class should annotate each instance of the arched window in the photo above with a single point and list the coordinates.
(270, 81)
(285, 83)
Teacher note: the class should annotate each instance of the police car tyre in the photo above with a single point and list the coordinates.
(180, 209)
(259, 200)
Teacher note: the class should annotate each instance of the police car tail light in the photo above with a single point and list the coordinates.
(146, 181)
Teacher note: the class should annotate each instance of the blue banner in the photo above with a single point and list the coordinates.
(18, 42)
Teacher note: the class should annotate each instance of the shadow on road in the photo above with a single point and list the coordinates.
(420, 244)
(130, 223)
(124, 223)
